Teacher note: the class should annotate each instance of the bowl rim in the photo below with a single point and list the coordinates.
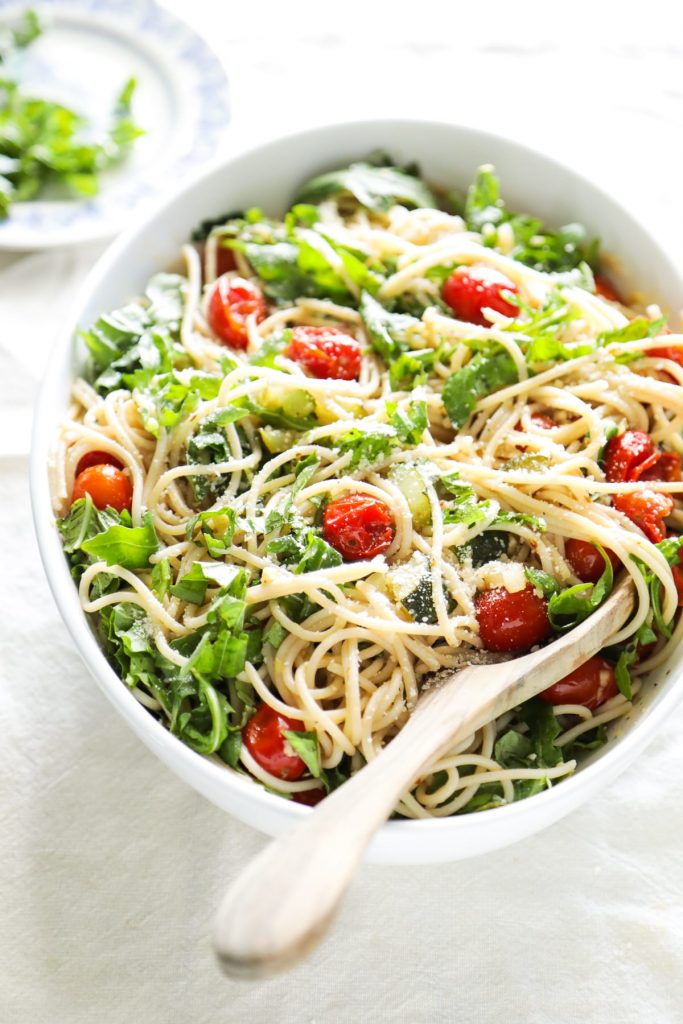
(65, 593)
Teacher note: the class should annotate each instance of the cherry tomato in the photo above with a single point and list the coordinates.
(591, 684)
(538, 420)
(677, 574)
(666, 467)
(309, 797)
(648, 510)
(469, 290)
(106, 485)
(512, 622)
(225, 260)
(626, 451)
(325, 352)
(358, 526)
(231, 301)
(97, 459)
(586, 561)
(605, 290)
(667, 352)
(263, 738)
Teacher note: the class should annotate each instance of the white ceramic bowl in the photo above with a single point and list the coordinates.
(268, 177)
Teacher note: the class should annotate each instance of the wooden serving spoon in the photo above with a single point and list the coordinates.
(281, 904)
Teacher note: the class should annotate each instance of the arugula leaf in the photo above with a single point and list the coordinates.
(215, 528)
(567, 608)
(192, 586)
(389, 333)
(409, 424)
(127, 546)
(486, 372)
(376, 188)
(534, 245)
(464, 507)
(520, 519)
(541, 580)
(128, 346)
(306, 745)
(166, 400)
(636, 330)
(367, 447)
(544, 729)
(304, 472)
(161, 577)
(44, 143)
(670, 547)
(411, 369)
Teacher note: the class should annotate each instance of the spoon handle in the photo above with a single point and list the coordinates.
(280, 905)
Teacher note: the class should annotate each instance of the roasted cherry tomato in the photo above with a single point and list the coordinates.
(97, 459)
(469, 290)
(586, 561)
(231, 302)
(264, 739)
(325, 352)
(106, 485)
(539, 421)
(667, 467)
(591, 684)
(309, 797)
(605, 290)
(225, 260)
(627, 451)
(512, 622)
(358, 526)
(648, 510)
(667, 352)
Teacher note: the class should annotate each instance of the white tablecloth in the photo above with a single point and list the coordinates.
(110, 867)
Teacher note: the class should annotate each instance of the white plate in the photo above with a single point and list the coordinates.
(87, 52)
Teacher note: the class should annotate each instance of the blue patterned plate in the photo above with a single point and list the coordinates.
(87, 52)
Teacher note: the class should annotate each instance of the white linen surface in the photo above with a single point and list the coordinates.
(111, 867)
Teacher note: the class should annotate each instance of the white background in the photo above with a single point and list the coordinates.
(110, 868)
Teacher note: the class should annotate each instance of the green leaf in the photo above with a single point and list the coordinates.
(215, 528)
(541, 580)
(486, 372)
(389, 333)
(367, 447)
(192, 586)
(544, 729)
(306, 745)
(410, 423)
(127, 546)
(567, 608)
(376, 188)
(161, 577)
(520, 519)
(635, 330)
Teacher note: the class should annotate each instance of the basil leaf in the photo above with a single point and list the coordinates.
(367, 447)
(376, 188)
(389, 333)
(161, 577)
(127, 546)
(306, 745)
(485, 373)
(410, 423)
(567, 608)
(192, 586)
(541, 580)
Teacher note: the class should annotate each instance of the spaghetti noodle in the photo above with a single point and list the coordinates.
(323, 365)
